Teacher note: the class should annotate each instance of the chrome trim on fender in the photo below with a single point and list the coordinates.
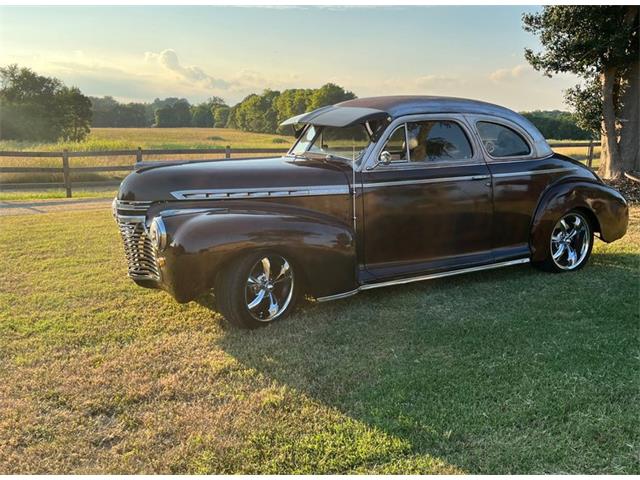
(535, 172)
(425, 180)
(265, 192)
(432, 276)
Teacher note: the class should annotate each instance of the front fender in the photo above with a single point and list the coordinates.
(201, 245)
(605, 205)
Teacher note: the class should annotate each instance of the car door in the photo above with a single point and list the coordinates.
(430, 208)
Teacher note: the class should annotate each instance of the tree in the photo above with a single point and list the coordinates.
(182, 111)
(220, 116)
(132, 115)
(219, 111)
(177, 114)
(586, 100)
(201, 115)
(165, 117)
(38, 108)
(76, 110)
(264, 113)
(600, 44)
(329, 94)
(292, 102)
(108, 112)
(256, 113)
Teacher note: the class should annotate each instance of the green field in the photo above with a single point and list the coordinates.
(511, 371)
(147, 138)
(159, 138)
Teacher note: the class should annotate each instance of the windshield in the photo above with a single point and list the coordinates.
(348, 143)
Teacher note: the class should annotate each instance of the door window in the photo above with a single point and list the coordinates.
(437, 141)
(396, 145)
(501, 141)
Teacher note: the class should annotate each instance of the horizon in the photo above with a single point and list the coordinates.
(137, 54)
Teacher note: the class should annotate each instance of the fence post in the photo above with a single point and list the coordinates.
(139, 155)
(227, 152)
(65, 172)
(590, 154)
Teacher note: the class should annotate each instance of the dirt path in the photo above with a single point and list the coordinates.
(29, 207)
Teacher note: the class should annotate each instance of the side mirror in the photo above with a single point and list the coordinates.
(385, 158)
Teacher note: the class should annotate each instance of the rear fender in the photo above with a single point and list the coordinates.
(605, 207)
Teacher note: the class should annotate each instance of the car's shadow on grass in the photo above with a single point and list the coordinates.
(511, 370)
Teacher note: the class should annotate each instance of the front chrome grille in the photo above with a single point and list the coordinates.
(138, 248)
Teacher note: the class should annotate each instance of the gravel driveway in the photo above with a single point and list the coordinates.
(29, 207)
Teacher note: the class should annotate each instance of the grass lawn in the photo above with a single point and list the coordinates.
(512, 370)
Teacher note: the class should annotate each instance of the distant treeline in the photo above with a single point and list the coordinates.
(38, 108)
(256, 113)
(557, 125)
(263, 113)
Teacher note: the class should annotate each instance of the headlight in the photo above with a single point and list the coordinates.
(114, 208)
(158, 234)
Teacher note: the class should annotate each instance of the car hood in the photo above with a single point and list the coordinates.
(162, 182)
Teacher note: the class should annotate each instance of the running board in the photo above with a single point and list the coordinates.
(432, 276)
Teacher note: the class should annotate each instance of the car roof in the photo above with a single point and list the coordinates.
(399, 105)
(360, 110)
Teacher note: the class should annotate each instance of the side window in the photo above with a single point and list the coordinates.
(396, 145)
(501, 141)
(437, 141)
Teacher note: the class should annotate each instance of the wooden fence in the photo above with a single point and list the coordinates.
(66, 170)
(139, 154)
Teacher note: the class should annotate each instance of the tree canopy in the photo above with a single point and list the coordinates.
(263, 113)
(38, 108)
(600, 44)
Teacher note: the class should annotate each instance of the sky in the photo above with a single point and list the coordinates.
(143, 52)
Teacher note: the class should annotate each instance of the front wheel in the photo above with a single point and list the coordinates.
(570, 244)
(257, 289)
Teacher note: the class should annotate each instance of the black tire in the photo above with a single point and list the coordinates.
(232, 289)
(562, 263)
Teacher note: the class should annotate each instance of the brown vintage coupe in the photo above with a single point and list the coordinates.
(374, 192)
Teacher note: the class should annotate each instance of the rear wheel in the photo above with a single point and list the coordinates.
(257, 289)
(570, 244)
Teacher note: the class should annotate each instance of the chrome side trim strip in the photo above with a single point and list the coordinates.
(425, 180)
(535, 172)
(432, 276)
(264, 192)
(468, 177)
(338, 296)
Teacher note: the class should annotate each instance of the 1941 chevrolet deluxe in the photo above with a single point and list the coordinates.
(374, 192)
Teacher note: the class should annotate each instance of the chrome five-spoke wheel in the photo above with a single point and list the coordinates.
(571, 241)
(256, 289)
(269, 288)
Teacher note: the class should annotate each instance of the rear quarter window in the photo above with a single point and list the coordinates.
(501, 141)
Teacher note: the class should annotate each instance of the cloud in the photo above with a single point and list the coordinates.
(169, 60)
(505, 74)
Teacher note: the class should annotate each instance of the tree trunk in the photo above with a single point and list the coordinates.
(610, 160)
(629, 119)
